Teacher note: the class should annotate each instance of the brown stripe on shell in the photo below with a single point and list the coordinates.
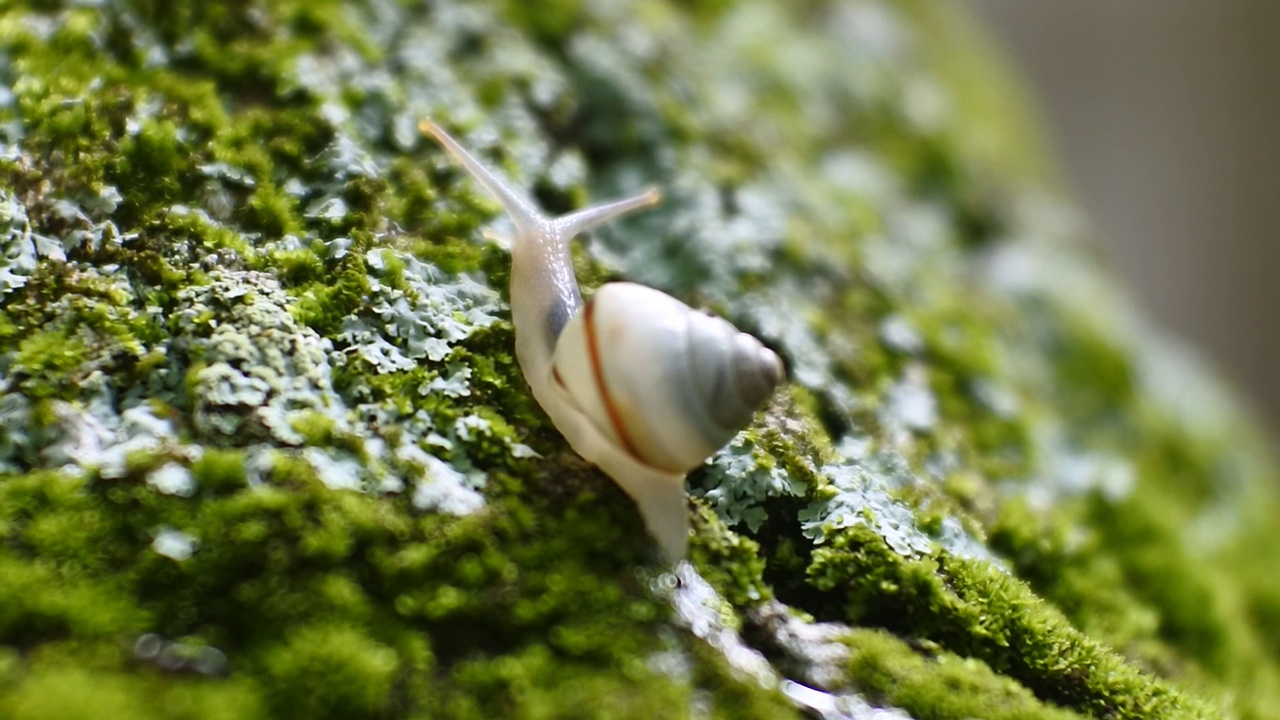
(597, 371)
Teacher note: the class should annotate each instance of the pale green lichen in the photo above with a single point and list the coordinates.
(21, 249)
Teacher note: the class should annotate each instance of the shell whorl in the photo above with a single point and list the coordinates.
(733, 372)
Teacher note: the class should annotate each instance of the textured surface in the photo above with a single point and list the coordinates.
(266, 453)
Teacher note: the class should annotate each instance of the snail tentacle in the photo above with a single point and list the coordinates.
(524, 214)
(583, 220)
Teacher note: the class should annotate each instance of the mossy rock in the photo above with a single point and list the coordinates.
(265, 452)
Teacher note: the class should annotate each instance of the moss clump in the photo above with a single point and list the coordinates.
(939, 685)
(330, 672)
(978, 612)
(220, 471)
(77, 692)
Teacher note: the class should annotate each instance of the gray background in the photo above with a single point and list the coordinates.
(1165, 116)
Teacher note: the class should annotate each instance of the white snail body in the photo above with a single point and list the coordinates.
(640, 384)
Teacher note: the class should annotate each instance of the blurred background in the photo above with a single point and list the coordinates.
(1165, 119)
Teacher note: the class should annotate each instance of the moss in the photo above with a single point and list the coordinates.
(733, 564)
(1088, 361)
(1196, 609)
(151, 164)
(936, 686)
(271, 211)
(551, 24)
(43, 605)
(77, 692)
(44, 361)
(978, 612)
(534, 684)
(324, 304)
(330, 672)
(220, 471)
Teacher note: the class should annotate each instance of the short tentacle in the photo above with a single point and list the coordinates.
(587, 218)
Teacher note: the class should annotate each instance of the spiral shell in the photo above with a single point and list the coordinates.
(668, 384)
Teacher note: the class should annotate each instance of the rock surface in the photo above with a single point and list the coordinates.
(265, 452)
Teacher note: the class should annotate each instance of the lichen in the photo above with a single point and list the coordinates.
(265, 450)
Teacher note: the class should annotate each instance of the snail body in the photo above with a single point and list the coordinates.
(639, 383)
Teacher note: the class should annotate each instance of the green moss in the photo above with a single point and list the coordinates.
(1089, 362)
(552, 23)
(220, 471)
(534, 683)
(40, 606)
(324, 304)
(316, 428)
(731, 563)
(1081, 578)
(1196, 609)
(274, 213)
(330, 672)
(44, 361)
(151, 164)
(976, 611)
(938, 686)
(77, 692)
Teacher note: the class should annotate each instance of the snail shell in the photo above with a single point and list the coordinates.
(639, 383)
(668, 384)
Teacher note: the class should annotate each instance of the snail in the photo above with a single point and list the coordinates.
(639, 383)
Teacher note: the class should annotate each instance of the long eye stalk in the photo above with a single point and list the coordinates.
(523, 212)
